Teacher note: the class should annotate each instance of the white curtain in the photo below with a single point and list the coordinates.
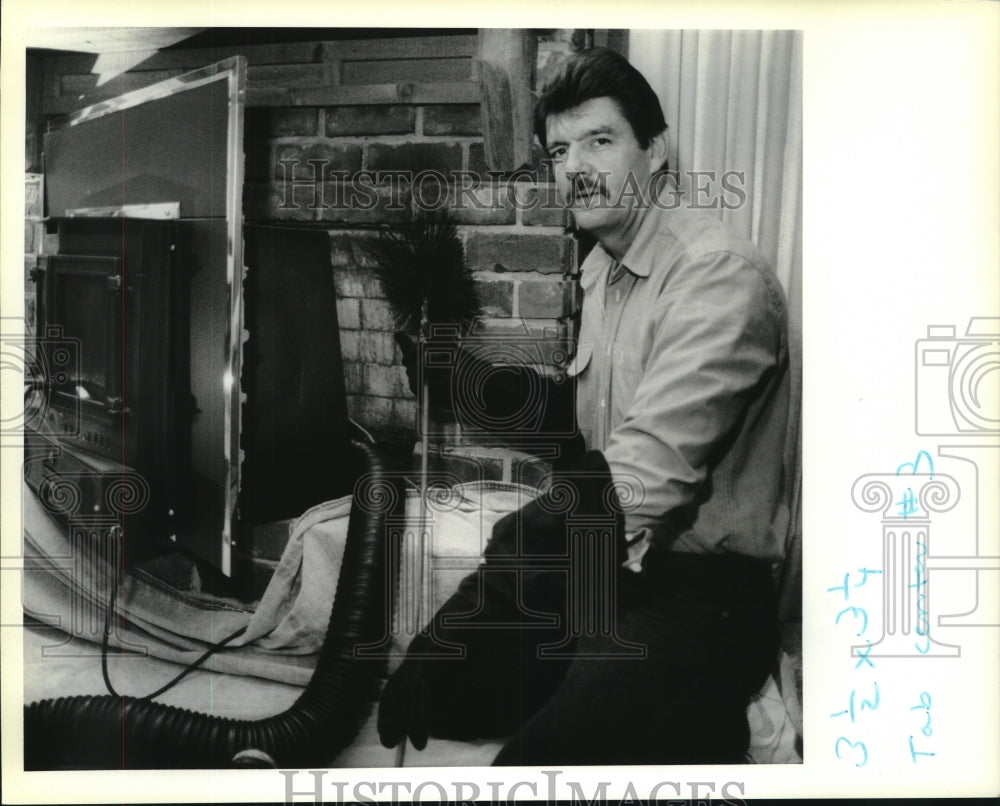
(733, 102)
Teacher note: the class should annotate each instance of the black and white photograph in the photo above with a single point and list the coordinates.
(412, 397)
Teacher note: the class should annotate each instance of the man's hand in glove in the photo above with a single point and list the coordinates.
(402, 711)
(500, 616)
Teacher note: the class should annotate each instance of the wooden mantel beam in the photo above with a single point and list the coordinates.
(507, 67)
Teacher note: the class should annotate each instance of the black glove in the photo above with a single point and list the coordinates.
(402, 711)
(533, 412)
(499, 617)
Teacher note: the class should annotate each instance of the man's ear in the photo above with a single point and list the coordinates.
(657, 151)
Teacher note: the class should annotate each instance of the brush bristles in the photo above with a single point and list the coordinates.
(422, 261)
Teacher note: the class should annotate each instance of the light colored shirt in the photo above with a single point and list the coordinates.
(683, 383)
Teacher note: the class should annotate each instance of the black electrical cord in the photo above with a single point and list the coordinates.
(109, 615)
(106, 732)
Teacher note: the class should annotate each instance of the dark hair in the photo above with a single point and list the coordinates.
(602, 73)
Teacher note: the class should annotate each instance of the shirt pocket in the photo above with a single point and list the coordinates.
(580, 362)
(579, 370)
(626, 374)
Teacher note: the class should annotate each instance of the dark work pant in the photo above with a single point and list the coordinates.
(708, 632)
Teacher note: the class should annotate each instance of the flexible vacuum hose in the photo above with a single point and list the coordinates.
(104, 732)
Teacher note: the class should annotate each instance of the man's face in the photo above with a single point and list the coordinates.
(599, 167)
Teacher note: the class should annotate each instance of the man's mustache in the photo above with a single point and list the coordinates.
(594, 191)
(583, 190)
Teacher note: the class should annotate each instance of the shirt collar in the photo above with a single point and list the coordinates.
(638, 259)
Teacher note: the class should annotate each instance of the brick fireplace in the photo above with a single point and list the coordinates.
(354, 168)
(352, 136)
